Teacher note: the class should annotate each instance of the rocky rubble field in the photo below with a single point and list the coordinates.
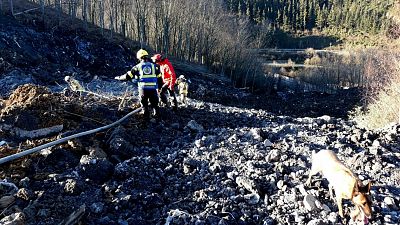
(204, 164)
(230, 157)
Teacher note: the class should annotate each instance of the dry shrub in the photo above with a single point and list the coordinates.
(382, 102)
(315, 60)
(336, 69)
(310, 51)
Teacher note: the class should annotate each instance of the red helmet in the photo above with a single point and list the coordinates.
(157, 57)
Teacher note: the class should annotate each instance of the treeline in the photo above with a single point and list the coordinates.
(210, 32)
(300, 15)
(200, 31)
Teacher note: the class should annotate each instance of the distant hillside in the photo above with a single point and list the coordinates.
(341, 16)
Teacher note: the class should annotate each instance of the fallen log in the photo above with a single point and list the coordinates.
(32, 134)
(62, 140)
(5, 201)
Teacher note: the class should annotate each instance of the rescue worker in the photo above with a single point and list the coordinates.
(168, 79)
(146, 72)
(183, 87)
(74, 84)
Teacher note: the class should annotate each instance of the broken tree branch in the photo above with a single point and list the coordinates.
(85, 117)
(121, 104)
(62, 140)
(32, 134)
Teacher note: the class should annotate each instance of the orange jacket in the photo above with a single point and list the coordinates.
(168, 73)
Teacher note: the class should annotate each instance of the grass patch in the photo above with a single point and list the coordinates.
(383, 94)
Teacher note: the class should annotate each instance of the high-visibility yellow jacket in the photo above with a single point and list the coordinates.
(146, 73)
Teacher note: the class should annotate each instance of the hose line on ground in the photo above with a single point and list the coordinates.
(62, 140)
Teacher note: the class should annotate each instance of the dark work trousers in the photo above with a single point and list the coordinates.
(146, 96)
(163, 93)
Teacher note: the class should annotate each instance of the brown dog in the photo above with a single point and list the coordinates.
(343, 181)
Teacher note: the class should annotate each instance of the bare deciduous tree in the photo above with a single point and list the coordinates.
(196, 31)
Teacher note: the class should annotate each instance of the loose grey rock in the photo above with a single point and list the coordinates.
(376, 144)
(246, 183)
(333, 217)
(318, 204)
(214, 168)
(302, 189)
(12, 80)
(166, 174)
(232, 175)
(14, 219)
(97, 207)
(309, 202)
(298, 218)
(254, 133)
(194, 126)
(273, 156)
(267, 143)
(119, 145)
(198, 143)
(122, 222)
(252, 198)
(25, 194)
(280, 184)
(316, 222)
(390, 202)
(374, 150)
(266, 198)
(43, 213)
(24, 182)
(175, 126)
(98, 170)
(72, 186)
(326, 208)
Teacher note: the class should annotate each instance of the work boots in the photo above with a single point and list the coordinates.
(175, 104)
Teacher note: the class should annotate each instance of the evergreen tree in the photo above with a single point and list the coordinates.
(240, 8)
(319, 20)
(293, 15)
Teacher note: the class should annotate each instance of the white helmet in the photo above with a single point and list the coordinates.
(67, 78)
(181, 77)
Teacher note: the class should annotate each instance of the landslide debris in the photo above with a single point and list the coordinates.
(224, 159)
(32, 107)
(204, 164)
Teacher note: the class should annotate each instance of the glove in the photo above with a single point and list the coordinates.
(119, 77)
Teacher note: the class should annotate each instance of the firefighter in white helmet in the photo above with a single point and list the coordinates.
(183, 87)
(73, 84)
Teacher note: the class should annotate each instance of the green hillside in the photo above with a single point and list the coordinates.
(300, 15)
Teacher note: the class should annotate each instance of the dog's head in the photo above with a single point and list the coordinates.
(361, 198)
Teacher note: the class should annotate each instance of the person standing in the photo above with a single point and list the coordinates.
(74, 84)
(183, 87)
(168, 78)
(146, 72)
